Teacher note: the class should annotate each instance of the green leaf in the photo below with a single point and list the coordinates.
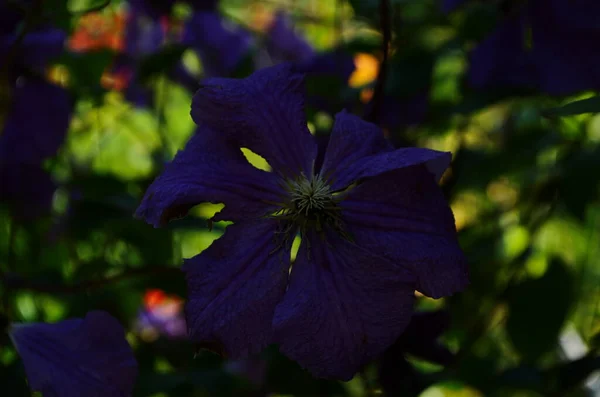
(538, 309)
(589, 105)
(84, 6)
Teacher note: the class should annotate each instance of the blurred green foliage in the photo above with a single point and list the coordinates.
(523, 187)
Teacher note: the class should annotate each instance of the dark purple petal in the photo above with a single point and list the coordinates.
(221, 46)
(233, 288)
(451, 5)
(336, 64)
(502, 59)
(572, 29)
(163, 320)
(209, 169)
(328, 74)
(404, 216)
(284, 44)
(27, 189)
(359, 150)
(153, 8)
(344, 306)
(351, 140)
(36, 124)
(143, 35)
(264, 113)
(576, 68)
(36, 49)
(574, 14)
(77, 357)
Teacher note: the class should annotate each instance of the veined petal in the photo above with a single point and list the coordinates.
(209, 169)
(77, 357)
(358, 150)
(404, 216)
(351, 140)
(264, 113)
(233, 288)
(344, 306)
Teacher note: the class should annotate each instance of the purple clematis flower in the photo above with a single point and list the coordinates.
(284, 44)
(521, 52)
(77, 357)
(373, 222)
(30, 140)
(327, 69)
(26, 141)
(221, 46)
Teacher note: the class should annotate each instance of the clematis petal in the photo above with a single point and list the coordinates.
(344, 306)
(209, 169)
(28, 139)
(153, 8)
(553, 32)
(233, 288)
(220, 46)
(264, 113)
(404, 216)
(451, 5)
(351, 140)
(358, 150)
(77, 357)
(284, 44)
(36, 49)
(501, 60)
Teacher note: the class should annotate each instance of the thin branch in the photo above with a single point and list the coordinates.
(14, 281)
(385, 16)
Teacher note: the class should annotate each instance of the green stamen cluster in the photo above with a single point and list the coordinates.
(309, 205)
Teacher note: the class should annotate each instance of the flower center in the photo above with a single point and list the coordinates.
(309, 198)
(309, 205)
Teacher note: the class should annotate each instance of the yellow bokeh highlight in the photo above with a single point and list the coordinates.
(256, 160)
(367, 69)
(295, 248)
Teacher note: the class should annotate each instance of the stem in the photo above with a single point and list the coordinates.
(385, 16)
(13, 281)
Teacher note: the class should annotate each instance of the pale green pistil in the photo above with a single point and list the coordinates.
(309, 204)
(309, 197)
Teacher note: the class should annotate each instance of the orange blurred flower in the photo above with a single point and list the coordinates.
(99, 30)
